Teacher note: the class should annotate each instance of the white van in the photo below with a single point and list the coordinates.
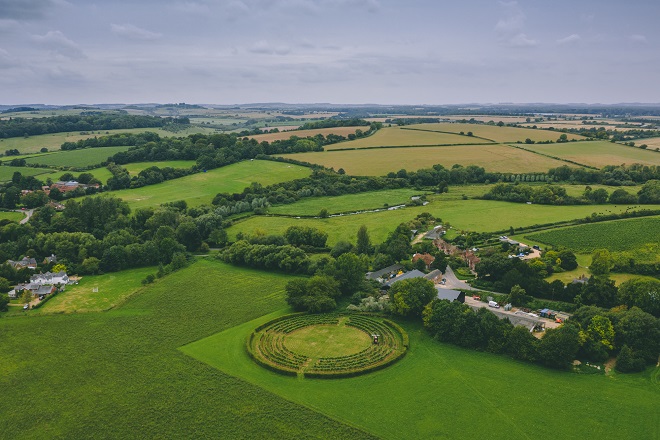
(493, 304)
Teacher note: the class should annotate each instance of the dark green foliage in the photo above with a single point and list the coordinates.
(4, 301)
(559, 346)
(629, 362)
(349, 269)
(363, 241)
(409, 297)
(642, 293)
(342, 247)
(314, 295)
(305, 236)
(522, 345)
(285, 258)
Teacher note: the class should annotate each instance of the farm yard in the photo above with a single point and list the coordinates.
(380, 161)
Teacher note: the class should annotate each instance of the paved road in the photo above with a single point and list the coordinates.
(453, 282)
(549, 323)
(28, 214)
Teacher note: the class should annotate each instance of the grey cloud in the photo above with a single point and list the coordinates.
(637, 38)
(7, 60)
(26, 9)
(133, 32)
(573, 38)
(263, 47)
(522, 40)
(57, 42)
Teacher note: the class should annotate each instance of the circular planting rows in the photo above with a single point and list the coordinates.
(328, 345)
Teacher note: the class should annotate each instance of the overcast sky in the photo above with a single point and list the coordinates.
(338, 51)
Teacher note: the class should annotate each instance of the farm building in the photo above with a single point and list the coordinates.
(434, 275)
(519, 319)
(451, 295)
(379, 275)
(406, 276)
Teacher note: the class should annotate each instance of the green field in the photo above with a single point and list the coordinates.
(399, 137)
(200, 188)
(441, 391)
(495, 133)
(472, 215)
(76, 158)
(598, 153)
(13, 216)
(347, 202)
(618, 235)
(6, 172)
(113, 289)
(380, 161)
(134, 168)
(54, 141)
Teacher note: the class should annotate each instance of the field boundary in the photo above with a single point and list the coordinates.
(552, 157)
(448, 132)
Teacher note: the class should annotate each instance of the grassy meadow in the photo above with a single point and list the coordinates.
(341, 131)
(12, 216)
(402, 137)
(348, 202)
(598, 153)
(113, 289)
(200, 188)
(134, 169)
(380, 161)
(76, 158)
(441, 391)
(495, 133)
(6, 172)
(472, 215)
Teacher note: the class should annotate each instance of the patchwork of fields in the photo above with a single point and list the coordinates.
(495, 133)
(76, 158)
(380, 161)
(341, 131)
(403, 137)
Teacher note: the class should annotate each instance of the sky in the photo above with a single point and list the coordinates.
(334, 51)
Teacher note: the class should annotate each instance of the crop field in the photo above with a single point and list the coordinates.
(380, 161)
(598, 153)
(401, 137)
(495, 133)
(6, 172)
(618, 235)
(76, 158)
(200, 188)
(652, 143)
(346, 203)
(471, 215)
(342, 131)
(113, 289)
(441, 391)
(54, 141)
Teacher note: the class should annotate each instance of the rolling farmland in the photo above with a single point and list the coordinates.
(342, 131)
(6, 172)
(380, 161)
(495, 133)
(618, 235)
(76, 158)
(403, 137)
(598, 153)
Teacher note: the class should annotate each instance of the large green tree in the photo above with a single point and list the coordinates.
(409, 297)
(363, 241)
(559, 346)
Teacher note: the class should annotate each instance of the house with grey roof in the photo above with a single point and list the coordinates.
(406, 276)
(451, 295)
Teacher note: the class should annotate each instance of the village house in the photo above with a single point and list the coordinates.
(49, 278)
(51, 259)
(28, 262)
(427, 258)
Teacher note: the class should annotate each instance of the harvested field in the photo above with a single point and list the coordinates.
(598, 153)
(495, 133)
(380, 161)
(403, 137)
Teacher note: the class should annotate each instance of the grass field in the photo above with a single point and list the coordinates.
(322, 341)
(200, 188)
(619, 235)
(397, 137)
(76, 158)
(13, 216)
(347, 202)
(598, 153)
(380, 161)
(113, 289)
(134, 168)
(54, 141)
(342, 131)
(495, 133)
(441, 391)
(473, 215)
(6, 172)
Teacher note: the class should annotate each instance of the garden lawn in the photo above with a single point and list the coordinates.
(201, 188)
(113, 289)
(119, 374)
(441, 391)
(400, 137)
(598, 153)
(380, 161)
(76, 158)
(471, 214)
(12, 216)
(618, 235)
(311, 206)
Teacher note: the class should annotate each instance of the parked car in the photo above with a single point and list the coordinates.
(26, 306)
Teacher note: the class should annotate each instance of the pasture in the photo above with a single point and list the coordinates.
(76, 158)
(495, 133)
(54, 141)
(11, 216)
(617, 235)
(402, 137)
(134, 169)
(469, 215)
(380, 161)
(6, 172)
(598, 153)
(200, 188)
(113, 289)
(311, 206)
(341, 131)
(441, 391)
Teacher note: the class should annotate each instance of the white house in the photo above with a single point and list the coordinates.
(49, 278)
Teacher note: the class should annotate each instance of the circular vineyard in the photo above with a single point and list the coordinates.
(328, 345)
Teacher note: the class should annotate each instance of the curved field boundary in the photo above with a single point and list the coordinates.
(448, 132)
(375, 147)
(266, 345)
